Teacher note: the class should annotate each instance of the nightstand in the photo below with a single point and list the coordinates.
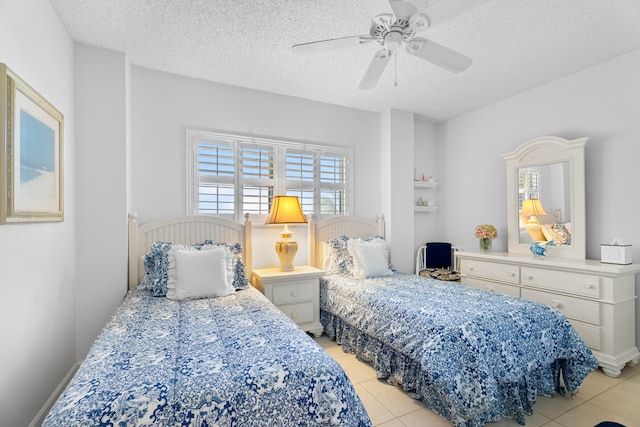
(296, 293)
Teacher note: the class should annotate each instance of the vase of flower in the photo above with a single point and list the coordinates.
(486, 233)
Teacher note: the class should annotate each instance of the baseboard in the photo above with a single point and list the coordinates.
(42, 413)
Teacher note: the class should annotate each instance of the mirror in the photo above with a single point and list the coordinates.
(546, 197)
(543, 203)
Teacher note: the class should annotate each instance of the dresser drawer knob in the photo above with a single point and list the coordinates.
(512, 274)
(294, 315)
(294, 294)
(470, 268)
(529, 277)
(490, 289)
(589, 286)
(555, 304)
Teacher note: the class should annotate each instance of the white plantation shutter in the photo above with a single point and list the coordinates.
(333, 180)
(216, 171)
(257, 178)
(300, 171)
(230, 175)
(528, 185)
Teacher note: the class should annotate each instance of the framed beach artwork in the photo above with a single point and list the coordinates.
(31, 183)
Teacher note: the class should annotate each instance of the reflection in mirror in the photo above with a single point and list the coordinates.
(546, 197)
(544, 208)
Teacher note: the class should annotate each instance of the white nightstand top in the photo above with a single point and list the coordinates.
(299, 272)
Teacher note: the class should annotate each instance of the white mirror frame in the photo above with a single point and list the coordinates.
(543, 151)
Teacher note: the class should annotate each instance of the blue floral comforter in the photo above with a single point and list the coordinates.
(228, 361)
(472, 356)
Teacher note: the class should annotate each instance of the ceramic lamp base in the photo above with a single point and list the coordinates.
(286, 252)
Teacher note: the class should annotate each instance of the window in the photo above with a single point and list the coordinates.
(528, 185)
(230, 175)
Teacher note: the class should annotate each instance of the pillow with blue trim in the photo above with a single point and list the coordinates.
(340, 259)
(199, 273)
(156, 266)
(370, 258)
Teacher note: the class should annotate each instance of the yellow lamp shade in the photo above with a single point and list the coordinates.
(532, 207)
(285, 210)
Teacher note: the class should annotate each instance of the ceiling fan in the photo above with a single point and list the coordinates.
(396, 23)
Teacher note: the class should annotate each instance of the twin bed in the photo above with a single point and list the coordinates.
(232, 358)
(229, 360)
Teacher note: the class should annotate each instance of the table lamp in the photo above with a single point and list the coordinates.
(286, 210)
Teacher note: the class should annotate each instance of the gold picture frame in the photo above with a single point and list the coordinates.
(31, 142)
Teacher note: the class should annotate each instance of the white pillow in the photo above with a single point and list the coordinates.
(369, 258)
(200, 273)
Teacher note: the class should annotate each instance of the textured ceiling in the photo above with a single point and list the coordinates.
(515, 45)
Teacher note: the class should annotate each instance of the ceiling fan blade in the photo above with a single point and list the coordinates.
(378, 7)
(444, 10)
(439, 55)
(330, 44)
(377, 66)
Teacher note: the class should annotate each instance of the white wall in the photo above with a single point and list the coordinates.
(102, 105)
(164, 106)
(397, 141)
(601, 102)
(37, 260)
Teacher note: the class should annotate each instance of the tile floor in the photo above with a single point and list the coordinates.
(601, 398)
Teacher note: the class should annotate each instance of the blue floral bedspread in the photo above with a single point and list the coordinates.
(472, 356)
(228, 361)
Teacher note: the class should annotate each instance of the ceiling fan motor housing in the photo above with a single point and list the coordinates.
(393, 39)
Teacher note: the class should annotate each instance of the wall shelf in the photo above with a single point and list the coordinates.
(425, 208)
(424, 184)
(419, 185)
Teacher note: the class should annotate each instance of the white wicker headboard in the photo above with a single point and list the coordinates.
(184, 230)
(351, 226)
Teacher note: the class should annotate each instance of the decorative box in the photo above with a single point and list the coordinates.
(616, 254)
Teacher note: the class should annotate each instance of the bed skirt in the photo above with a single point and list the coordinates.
(401, 370)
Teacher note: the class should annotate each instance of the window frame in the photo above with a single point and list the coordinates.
(280, 146)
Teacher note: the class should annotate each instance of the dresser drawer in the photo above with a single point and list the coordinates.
(591, 335)
(490, 270)
(294, 292)
(500, 288)
(574, 308)
(577, 284)
(299, 313)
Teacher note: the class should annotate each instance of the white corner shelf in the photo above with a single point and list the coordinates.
(425, 208)
(424, 184)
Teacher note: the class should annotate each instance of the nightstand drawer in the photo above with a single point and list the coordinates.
(293, 293)
(574, 308)
(299, 313)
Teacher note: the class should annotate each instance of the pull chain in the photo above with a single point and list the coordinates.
(395, 77)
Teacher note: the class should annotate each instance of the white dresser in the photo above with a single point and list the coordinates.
(296, 293)
(597, 298)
